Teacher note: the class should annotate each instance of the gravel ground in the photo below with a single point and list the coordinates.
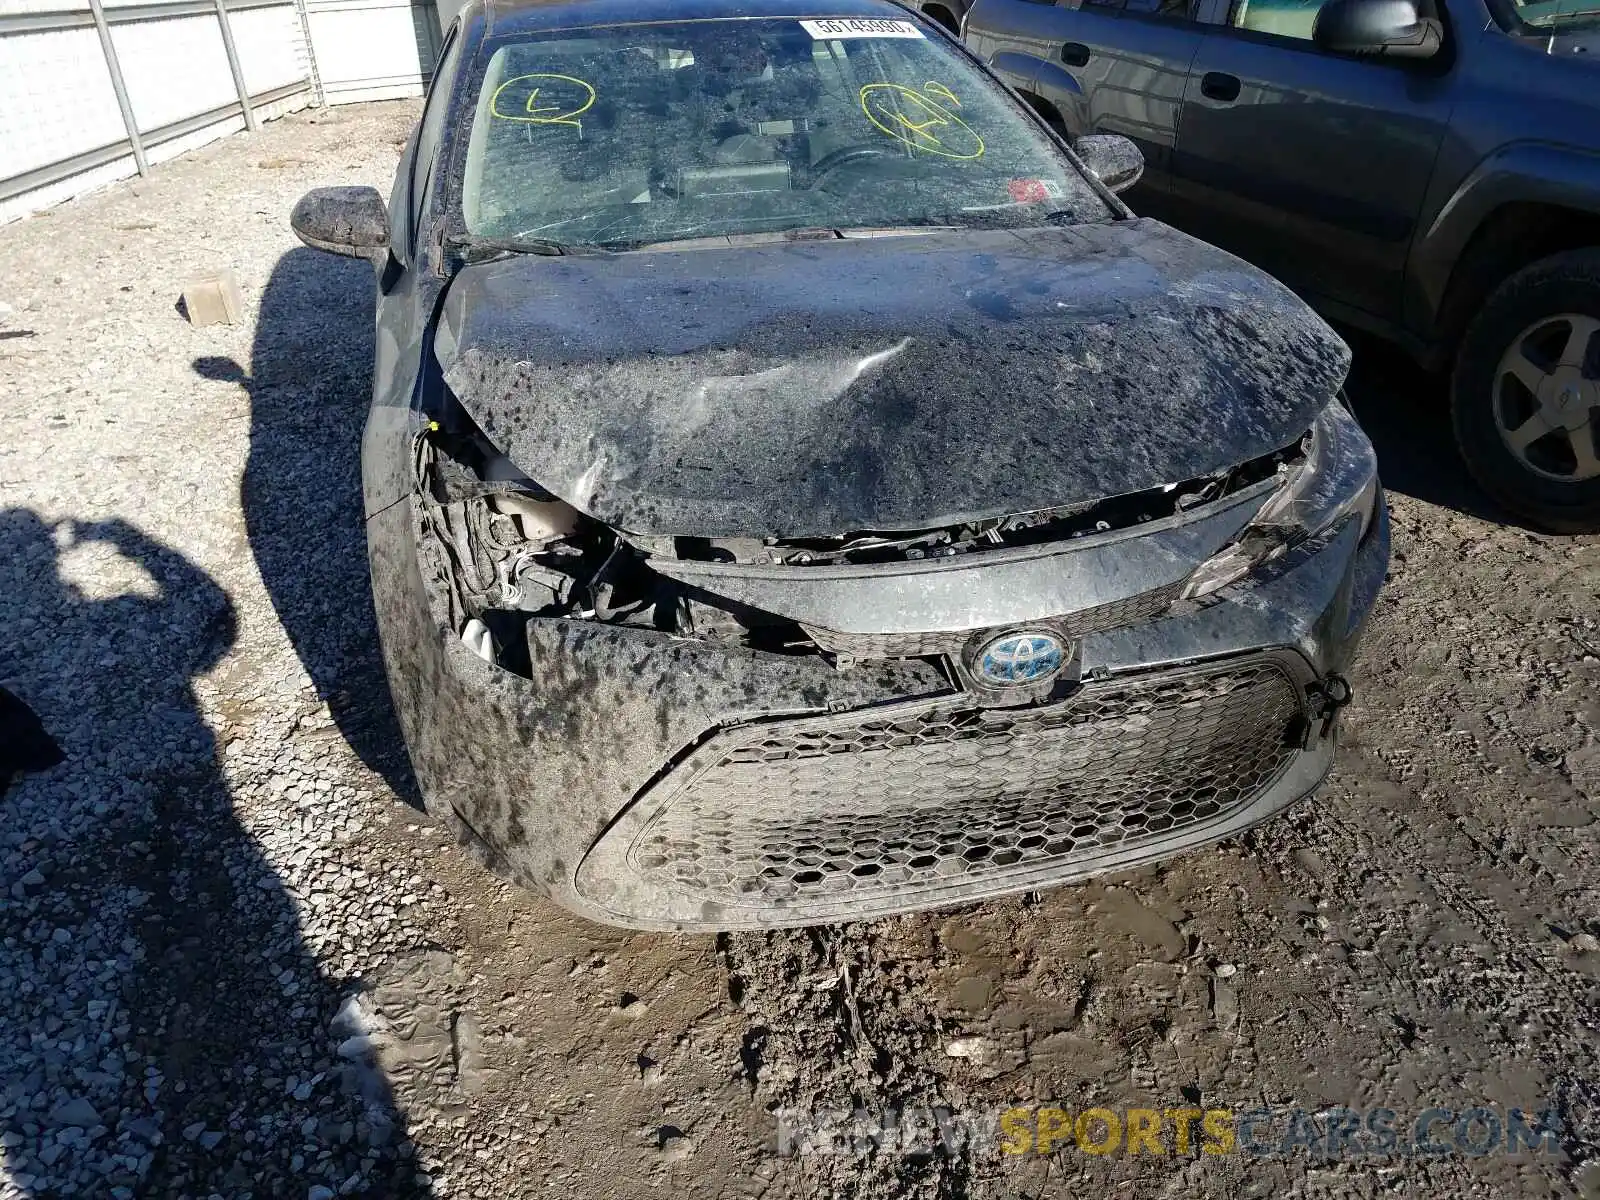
(235, 960)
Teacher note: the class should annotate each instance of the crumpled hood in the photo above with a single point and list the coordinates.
(817, 388)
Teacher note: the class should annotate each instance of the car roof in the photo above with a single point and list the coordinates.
(512, 16)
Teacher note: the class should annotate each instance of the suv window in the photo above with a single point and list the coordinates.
(1285, 18)
(1173, 10)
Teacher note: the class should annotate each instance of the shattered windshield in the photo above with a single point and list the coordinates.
(631, 135)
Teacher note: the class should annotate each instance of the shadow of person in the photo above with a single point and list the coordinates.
(309, 385)
(25, 744)
(164, 1029)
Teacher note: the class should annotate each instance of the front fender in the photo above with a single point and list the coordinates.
(1519, 173)
(1035, 76)
(1016, 68)
(1055, 83)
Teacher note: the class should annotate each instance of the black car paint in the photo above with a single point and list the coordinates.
(530, 771)
(895, 383)
(1367, 184)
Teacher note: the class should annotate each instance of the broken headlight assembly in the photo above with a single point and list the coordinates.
(1336, 480)
(505, 550)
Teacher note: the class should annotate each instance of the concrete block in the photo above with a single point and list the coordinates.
(213, 299)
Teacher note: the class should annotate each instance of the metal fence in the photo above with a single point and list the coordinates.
(92, 91)
(372, 49)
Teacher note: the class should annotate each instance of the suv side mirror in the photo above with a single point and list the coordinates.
(1114, 159)
(343, 220)
(1392, 27)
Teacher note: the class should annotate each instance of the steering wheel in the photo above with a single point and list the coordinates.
(843, 158)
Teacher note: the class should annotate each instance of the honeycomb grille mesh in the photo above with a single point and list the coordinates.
(1132, 610)
(839, 809)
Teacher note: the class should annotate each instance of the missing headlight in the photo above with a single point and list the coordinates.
(1337, 478)
(509, 552)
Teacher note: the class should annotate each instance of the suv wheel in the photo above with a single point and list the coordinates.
(1525, 399)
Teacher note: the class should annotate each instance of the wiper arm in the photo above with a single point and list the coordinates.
(481, 249)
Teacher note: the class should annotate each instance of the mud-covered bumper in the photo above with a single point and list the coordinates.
(665, 783)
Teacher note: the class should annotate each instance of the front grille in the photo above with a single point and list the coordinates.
(1131, 610)
(889, 645)
(826, 811)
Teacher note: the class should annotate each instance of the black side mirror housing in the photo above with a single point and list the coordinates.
(343, 220)
(1114, 159)
(1394, 28)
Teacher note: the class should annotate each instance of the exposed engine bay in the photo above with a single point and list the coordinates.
(512, 551)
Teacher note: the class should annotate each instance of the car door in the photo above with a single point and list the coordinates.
(1311, 164)
(1116, 66)
(1131, 59)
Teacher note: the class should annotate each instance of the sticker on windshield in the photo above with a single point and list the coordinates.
(919, 120)
(1034, 191)
(859, 27)
(543, 99)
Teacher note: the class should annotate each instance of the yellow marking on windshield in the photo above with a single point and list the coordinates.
(919, 120)
(565, 98)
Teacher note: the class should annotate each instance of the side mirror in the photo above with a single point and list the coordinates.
(1390, 27)
(343, 220)
(1114, 159)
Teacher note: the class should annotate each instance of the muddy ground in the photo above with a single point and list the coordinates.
(234, 960)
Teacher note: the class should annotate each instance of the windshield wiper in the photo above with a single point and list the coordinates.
(805, 233)
(482, 249)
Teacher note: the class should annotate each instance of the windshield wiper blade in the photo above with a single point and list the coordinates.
(718, 241)
(883, 231)
(803, 233)
(480, 249)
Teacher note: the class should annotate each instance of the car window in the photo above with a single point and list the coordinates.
(1286, 18)
(1175, 10)
(658, 132)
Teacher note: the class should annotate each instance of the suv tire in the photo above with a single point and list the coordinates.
(1527, 371)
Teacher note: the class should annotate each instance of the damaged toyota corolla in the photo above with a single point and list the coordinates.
(797, 489)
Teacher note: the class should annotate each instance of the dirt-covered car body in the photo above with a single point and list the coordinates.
(742, 581)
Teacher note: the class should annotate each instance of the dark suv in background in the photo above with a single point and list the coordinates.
(1429, 174)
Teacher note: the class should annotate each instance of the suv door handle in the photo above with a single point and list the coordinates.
(1219, 86)
(1075, 54)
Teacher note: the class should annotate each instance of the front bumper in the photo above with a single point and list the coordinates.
(925, 803)
(662, 783)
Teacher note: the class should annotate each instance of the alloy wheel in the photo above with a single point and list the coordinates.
(1547, 397)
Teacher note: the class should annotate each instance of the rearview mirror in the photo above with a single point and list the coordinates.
(343, 220)
(1114, 159)
(1390, 27)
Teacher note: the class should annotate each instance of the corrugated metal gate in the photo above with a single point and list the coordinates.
(92, 91)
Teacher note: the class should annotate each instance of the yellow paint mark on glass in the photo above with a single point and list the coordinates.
(920, 120)
(543, 99)
(932, 88)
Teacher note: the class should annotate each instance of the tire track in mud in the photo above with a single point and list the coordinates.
(1524, 977)
(829, 1034)
(859, 1016)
